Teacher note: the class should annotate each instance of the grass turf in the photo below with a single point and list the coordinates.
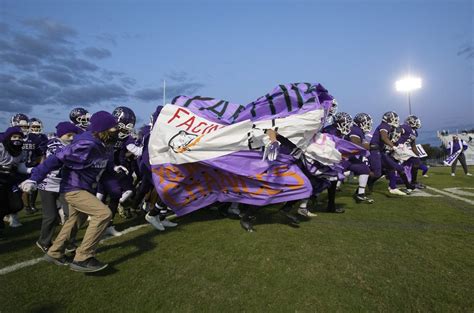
(398, 254)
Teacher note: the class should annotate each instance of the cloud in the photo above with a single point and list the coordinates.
(178, 76)
(4, 28)
(21, 61)
(59, 77)
(467, 50)
(107, 38)
(128, 82)
(153, 94)
(5, 78)
(149, 94)
(39, 48)
(96, 53)
(4, 45)
(51, 30)
(92, 94)
(76, 64)
(25, 93)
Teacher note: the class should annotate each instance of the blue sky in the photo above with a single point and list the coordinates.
(55, 55)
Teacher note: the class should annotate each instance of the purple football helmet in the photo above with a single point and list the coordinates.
(413, 121)
(22, 121)
(126, 120)
(80, 117)
(391, 118)
(364, 121)
(343, 122)
(36, 126)
(395, 134)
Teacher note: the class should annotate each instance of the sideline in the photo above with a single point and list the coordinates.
(451, 195)
(18, 266)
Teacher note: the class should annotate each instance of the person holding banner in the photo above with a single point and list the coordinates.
(456, 149)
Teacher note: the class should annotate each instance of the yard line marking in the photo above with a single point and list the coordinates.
(17, 266)
(460, 191)
(421, 193)
(451, 195)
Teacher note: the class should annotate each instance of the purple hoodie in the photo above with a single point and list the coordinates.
(83, 162)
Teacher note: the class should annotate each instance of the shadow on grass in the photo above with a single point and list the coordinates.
(50, 308)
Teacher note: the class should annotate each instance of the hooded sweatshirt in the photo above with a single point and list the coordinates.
(83, 162)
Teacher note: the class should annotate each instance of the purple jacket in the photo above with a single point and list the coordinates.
(34, 147)
(83, 162)
(409, 134)
(357, 132)
(376, 142)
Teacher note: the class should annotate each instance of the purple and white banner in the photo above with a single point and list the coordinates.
(204, 150)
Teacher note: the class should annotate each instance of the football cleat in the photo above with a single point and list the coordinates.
(155, 221)
(361, 197)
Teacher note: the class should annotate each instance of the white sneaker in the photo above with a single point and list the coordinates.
(426, 175)
(155, 221)
(233, 211)
(306, 212)
(14, 222)
(468, 174)
(397, 192)
(62, 217)
(111, 231)
(168, 223)
(6, 218)
(452, 174)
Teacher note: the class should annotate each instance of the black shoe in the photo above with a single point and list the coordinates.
(362, 198)
(335, 210)
(246, 223)
(90, 265)
(62, 261)
(29, 211)
(370, 188)
(293, 219)
(43, 248)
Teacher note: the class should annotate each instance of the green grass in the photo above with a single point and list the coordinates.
(397, 255)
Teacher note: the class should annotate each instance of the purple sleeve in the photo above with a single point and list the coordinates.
(42, 170)
(76, 155)
(110, 183)
(384, 127)
(356, 131)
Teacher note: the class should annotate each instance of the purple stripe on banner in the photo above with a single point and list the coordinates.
(238, 177)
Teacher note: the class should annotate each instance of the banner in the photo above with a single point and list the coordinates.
(422, 153)
(452, 158)
(204, 150)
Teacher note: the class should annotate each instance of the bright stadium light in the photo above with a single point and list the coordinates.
(408, 84)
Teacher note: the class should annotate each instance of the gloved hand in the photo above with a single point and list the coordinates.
(125, 195)
(99, 196)
(28, 186)
(271, 151)
(120, 169)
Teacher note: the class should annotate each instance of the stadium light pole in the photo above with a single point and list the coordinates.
(408, 84)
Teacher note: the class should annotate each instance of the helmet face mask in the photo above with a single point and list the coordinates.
(395, 134)
(391, 118)
(126, 121)
(413, 121)
(343, 122)
(364, 121)
(333, 108)
(80, 117)
(36, 126)
(84, 120)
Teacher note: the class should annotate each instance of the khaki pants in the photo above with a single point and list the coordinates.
(82, 204)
